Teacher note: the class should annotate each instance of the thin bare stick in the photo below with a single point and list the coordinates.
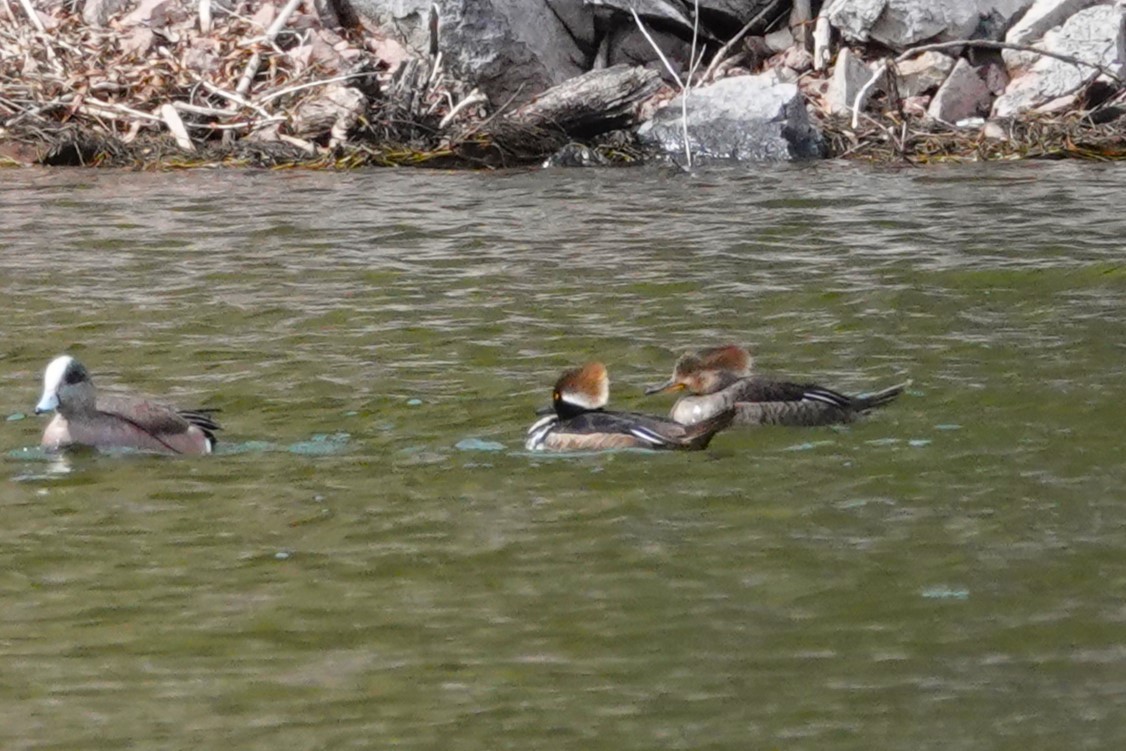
(679, 82)
(251, 69)
(693, 59)
(311, 84)
(991, 45)
(474, 97)
(252, 124)
(282, 19)
(172, 119)
(822, 35)
(248, 74)
(111, 107)
(205, 16)
(32, 15)
(308, 146)
(862, 95)
(718, 57)
(195, 109)
(653, 44)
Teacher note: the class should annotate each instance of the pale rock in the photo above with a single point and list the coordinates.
(901, 23)
(201, 56)
(155, 13)
(388, 50)
(923, 73)
(1095, 35)
(326, 53)
(98, 12)
(777, 41)
(994, 131)
(962, 95)
(850, 74)
(1041, 17)
(1059, 104)
(744, 118)
(796, 58)
(916, 106)
(301, 55)
(785, 75)
(136, 41)
(264, 16)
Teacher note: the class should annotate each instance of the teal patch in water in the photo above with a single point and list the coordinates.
(414, 402)
(16, 416)
(807, 446)
(223, 448)
(282, 555)
(476, 444)
(919, 442)
(883, 442)
(948, 426)
(351, 413)
(32, 454)
(945, 593)
(321, 445)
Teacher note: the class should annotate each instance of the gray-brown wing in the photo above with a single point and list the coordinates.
(155, 419)
(763, 389)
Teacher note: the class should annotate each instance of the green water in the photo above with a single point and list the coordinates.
(373, 561)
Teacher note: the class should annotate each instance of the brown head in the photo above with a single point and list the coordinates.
(707, 371)
(67, 387)
(730, 357)
(581, 390)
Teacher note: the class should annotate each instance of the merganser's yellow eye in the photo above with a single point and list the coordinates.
(555, 396)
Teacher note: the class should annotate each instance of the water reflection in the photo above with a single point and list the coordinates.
(372, 555)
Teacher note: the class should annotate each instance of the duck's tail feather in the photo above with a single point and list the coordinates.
(202, 419)
(699, 435)
(881, 398)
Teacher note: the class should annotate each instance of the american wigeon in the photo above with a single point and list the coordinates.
(86, 419)
(719, 378)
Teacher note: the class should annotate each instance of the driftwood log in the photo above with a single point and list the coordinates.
(591, 104)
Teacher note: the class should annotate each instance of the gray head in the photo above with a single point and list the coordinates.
(66, 387)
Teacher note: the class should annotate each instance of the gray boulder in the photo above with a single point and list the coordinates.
(744, 118)
(510, 49)
(963, 94)
(1095, 35)
(923, 73)
(901, 23)
(1043, 16)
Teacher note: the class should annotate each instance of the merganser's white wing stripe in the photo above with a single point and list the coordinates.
(538, 432)
(828, 397)
(649, 436)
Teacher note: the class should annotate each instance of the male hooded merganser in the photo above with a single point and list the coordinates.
(720, 378)
(86, 419)
(580, 422)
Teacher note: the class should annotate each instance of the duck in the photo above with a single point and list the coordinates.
(578, 420)
(721, 378)
(85, 418)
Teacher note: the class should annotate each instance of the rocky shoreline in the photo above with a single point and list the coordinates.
(495, 83)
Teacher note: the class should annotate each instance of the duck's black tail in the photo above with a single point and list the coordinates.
(879, 398)
(202, 419)
(699, 435)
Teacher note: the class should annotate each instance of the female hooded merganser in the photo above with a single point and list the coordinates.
(720, 378)
(83, 418)
(579, 421)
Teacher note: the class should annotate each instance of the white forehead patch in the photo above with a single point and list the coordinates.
(53, 377)
(585, 400)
